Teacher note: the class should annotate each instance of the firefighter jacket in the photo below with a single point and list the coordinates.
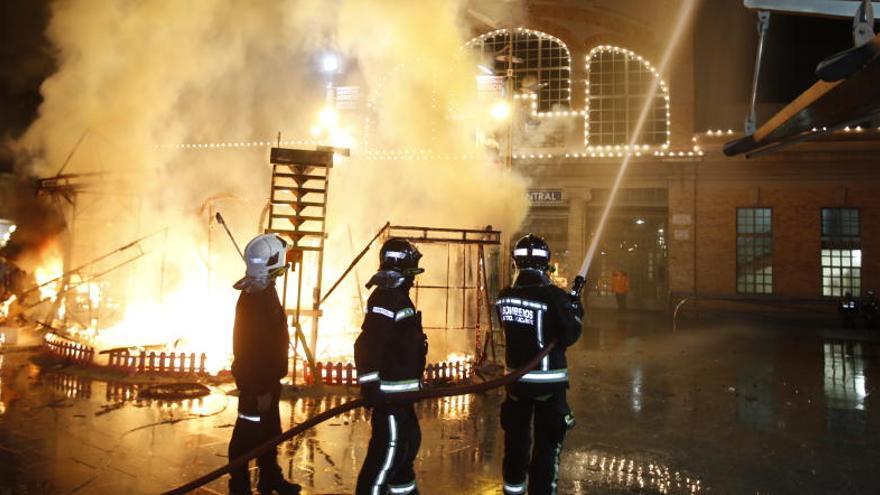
(533, 312)
(259, 342)
(391, 348)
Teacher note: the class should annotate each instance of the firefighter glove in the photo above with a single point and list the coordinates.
(578, 309)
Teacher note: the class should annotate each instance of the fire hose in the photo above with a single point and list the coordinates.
(353, 404)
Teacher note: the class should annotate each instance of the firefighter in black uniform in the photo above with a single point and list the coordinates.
(390, 357)
(848, 308)
(533, 312)
(260, 342)
(871, 309)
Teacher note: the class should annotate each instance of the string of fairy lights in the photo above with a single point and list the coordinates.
(591, 150)
(565, 67)
(629, 56)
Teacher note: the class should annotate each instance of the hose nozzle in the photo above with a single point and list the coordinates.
(577, 287)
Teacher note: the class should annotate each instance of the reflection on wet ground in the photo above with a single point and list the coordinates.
(716, 407)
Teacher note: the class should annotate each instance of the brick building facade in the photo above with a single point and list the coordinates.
(735, 232)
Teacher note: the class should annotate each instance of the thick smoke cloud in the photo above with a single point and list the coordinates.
(140, 77)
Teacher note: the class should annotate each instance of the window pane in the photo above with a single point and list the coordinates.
(538, 55)
(628, 80)
(754, 249)
(841, 255)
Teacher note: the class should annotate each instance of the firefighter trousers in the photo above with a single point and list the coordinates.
(388, 467)
(551, 418)
(252, 428)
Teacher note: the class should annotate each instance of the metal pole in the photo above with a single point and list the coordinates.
(222, 222)
(752, 119)
(464, 250)
(357, 278)
(355, 261)
(448, 271)
(508, 158)
(479, 300)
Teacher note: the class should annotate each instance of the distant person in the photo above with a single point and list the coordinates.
(620, 288)
(848, 308)
(533, 312)
(870, 309)
(390, 356)
(260, 342)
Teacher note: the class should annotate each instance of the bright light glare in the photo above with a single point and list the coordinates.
(328, 118)
(341, 138)
(640, 221)
(485, 69)
(330, 63)
(500, 110)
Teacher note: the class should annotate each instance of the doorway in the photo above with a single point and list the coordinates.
(634, 241)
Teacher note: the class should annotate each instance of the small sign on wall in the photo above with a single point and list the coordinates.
(347, 97)
(681, 234)
(490, 86)
(546, 196)
(682, 219)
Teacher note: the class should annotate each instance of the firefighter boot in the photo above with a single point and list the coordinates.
(239, 487)
(275, 483)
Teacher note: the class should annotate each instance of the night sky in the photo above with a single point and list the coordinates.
(724, 54)
(25, 60)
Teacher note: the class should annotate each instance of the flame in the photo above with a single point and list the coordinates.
(2, 404)
(452, 357)
(4, 307)
(50, 267)
(192, 318)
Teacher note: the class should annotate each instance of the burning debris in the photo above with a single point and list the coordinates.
(123, 169)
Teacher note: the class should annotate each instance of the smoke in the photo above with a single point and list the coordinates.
(39, 222)
(140, 78)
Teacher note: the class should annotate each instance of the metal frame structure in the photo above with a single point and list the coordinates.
(846, 93)
(66, 191)
(466, 240)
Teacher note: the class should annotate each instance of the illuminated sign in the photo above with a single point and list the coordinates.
(546, 196)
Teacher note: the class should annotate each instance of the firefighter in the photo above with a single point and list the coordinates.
(390, 357)
(871, 309)
(848, 308)
(533, 312)
(620, 286)
(260, 342)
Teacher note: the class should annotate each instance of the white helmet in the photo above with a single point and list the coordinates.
(265, 256)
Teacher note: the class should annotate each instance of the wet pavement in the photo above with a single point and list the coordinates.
(716, 407)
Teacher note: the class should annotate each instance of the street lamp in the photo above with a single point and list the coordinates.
(330, 63)
(500, 111)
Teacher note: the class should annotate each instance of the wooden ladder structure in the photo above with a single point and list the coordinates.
(298, 211)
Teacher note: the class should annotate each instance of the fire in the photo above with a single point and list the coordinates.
(195, 314)
(50, 267)
(453, 357)
(2, 404)
(5, 306)
(191, 318)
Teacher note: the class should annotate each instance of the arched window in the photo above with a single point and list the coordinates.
(540, 63)
(618, 82)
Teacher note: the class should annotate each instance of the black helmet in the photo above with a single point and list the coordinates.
(400, 256)
(531, 252)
